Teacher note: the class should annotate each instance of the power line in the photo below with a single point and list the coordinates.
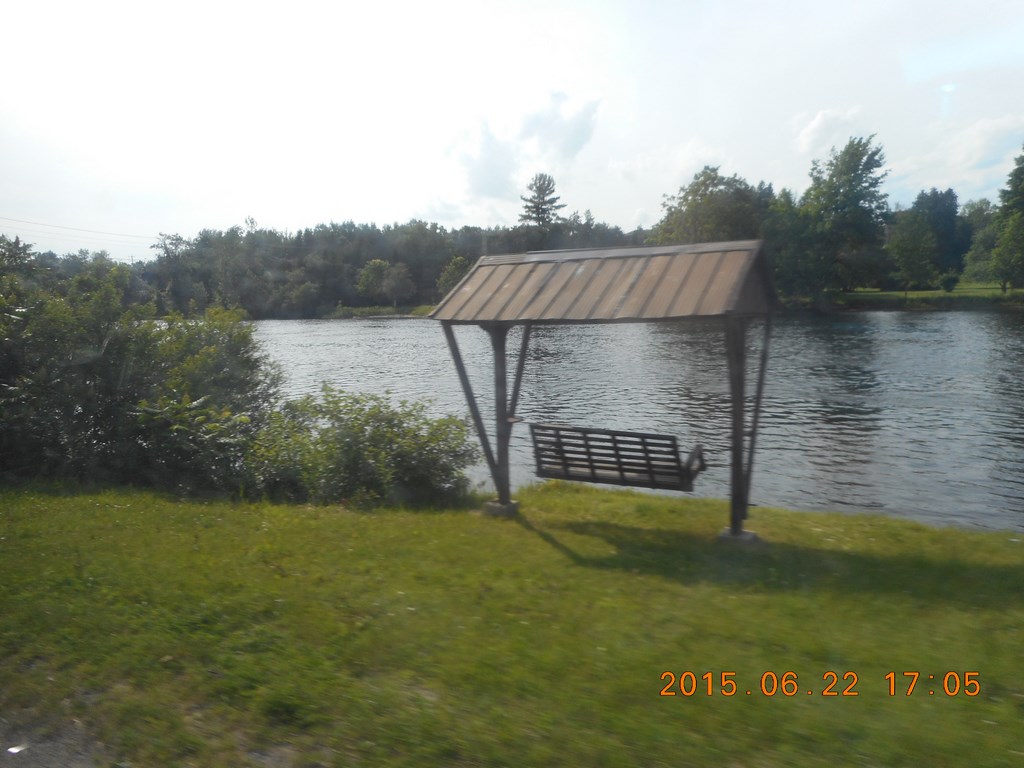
(34, 236)
(39, 235)
(77, 229)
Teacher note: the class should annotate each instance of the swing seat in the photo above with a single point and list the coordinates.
(638, 459)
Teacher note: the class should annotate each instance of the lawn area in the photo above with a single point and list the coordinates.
(222, 634)
(963, 296)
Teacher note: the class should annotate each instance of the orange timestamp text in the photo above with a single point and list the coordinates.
(833, 683)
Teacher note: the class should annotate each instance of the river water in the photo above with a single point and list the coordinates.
(914, 415)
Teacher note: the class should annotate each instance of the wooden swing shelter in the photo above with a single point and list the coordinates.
(731, 281)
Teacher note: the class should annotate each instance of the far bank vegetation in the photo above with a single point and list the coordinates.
(840, 235)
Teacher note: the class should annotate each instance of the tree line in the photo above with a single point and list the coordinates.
(311, 273)
(839, 235)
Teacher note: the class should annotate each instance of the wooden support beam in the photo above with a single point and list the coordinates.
(759, 395)
(467, 389)
(735, 333)
(502, 425)
(523, 345)
(504, 409)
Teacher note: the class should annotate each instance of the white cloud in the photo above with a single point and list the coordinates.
(974, 161)
(561, 134)
(827, 129)
(490, 172)
(628, 191)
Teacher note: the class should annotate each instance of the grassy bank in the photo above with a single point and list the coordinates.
(964, 296)
(348, 313)
(221, 634)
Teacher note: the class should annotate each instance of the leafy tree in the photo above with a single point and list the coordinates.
(914, 250)
(802, 265)
(16, 267)
(978, 261)
(424, 249)
(15, 256)
(980, 218)
(209, 388)
(398, 285)
(381, 281)
(94, 388)
(1011, 197)
(541, 207)
(940, 210)
(995, 252)
(848, 207)
(587, 232)
(713, 208)
(301, 301)
(183, 275)
(1008, 255)
(456, 268)
(371, 279)
(977, 214)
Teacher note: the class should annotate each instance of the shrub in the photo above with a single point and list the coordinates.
(189, 446)
(948, 280)
(281, 459)
(95, 388)
(359, 449)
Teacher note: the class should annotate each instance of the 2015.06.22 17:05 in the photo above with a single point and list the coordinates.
(953, 683)
(834, 684)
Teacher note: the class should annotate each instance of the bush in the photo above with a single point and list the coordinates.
(281, 460)
(189, 446)
(359, 449)
(95, 388)
(948, 280)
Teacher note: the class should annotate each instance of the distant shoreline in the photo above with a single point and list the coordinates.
(971, 297)
(931, 301)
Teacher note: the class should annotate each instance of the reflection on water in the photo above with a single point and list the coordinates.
(914, 415)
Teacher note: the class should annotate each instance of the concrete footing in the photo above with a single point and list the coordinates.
(741, 537)
(497, 509)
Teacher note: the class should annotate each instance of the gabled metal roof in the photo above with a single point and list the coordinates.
(613, 285)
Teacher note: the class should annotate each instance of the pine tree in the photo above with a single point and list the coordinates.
(541, 208)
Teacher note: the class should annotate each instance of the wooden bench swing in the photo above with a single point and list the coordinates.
(613, 285)
(637, 459)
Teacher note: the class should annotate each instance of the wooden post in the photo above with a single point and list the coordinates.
(524, 344)
(467, 389)
(504, 411)
(502, 427)
(736, 354)
(759, 395)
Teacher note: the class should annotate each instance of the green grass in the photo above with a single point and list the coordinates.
(964, 296)
(219, 634)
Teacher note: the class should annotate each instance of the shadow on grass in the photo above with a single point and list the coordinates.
(769, 566)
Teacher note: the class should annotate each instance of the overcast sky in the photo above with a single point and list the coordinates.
(137, 118)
